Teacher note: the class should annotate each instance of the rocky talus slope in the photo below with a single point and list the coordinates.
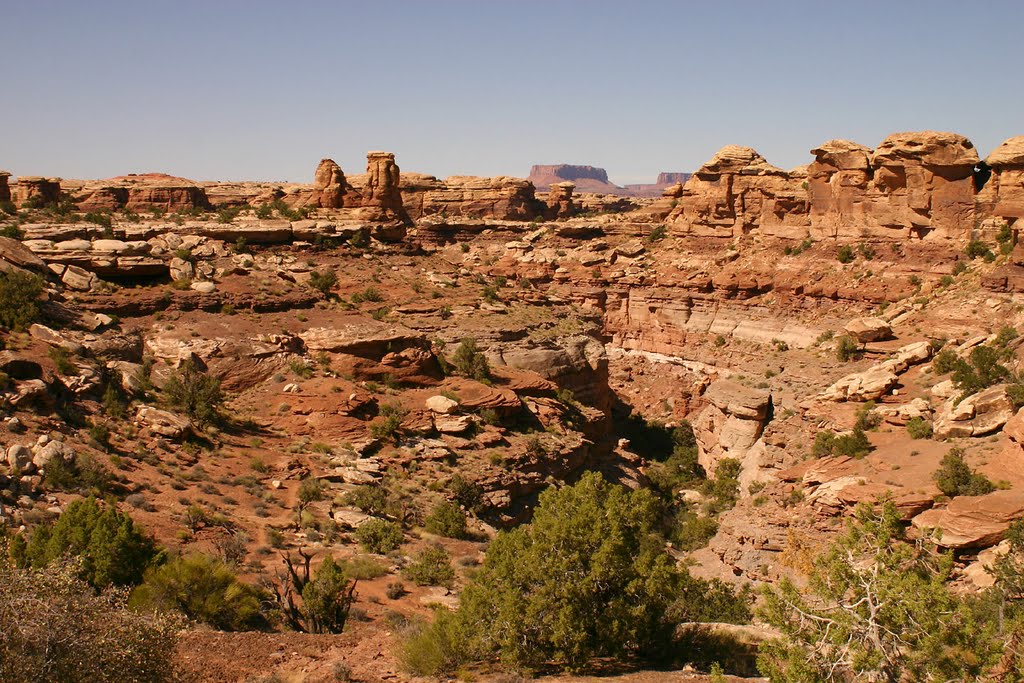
(725, 302)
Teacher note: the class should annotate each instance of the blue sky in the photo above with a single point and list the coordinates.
(232, 89)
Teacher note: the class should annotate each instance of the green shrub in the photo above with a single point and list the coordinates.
(111, 549)
(845, 254)
(691, 531)
(588, 576)
(61, 358)
(98, 218)
(854, 444)
(466, 493)
(204, 589)
(955, 477)
(469, 361)
(847, 348)
(447, 519)
(55, 627)
(919, 428)
(379, 536)
(435, 649)
(19, 299)
(227, 214)
(83, 474)
(370, 498)
(657, 234)
(875, 608)
(389, 427)
(431, 566)
(371, 294)
(198, 394)
(362, 568)
(323, 281)
(976, 249)
(323, 598)
(310, 491)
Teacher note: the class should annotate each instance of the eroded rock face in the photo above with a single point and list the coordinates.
(5, 190)
(912, 185)
(927, 180)
(36, 190)
(731, 423)
(1003, 194)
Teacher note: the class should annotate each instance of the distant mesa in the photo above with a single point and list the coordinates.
(586, 178)
(595, 179)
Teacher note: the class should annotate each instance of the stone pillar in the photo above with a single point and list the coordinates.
(5, 191)
(560, 204)
(382, 183)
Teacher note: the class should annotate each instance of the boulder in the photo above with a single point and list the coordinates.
(878, 380)
(362, 337)
(162, 422)
(43, 454)
(866, 330)
(19, 458)
(441, 404)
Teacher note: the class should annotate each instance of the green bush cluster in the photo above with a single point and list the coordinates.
(956, 478)
(588, 577)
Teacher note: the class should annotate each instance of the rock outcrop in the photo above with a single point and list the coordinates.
(5, 190)
(472, 197)
(738, 191)
(973, 521)
(329, 186)
(141, 192)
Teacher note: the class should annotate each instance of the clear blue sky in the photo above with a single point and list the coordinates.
(233, 89)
